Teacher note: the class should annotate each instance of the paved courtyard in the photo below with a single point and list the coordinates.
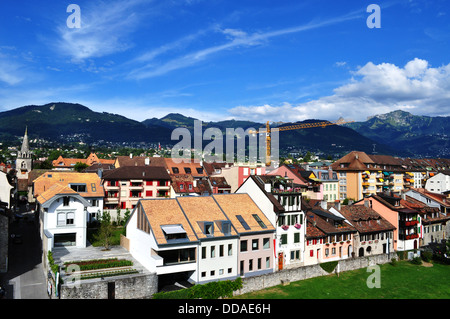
(68, 253)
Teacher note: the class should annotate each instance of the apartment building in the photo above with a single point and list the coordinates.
(124, 186)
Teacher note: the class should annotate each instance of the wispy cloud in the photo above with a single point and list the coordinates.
(236, 39)
(105, 27)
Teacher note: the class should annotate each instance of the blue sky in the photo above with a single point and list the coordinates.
(221, 59)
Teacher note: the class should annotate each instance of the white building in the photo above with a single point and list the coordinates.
(63, 217)
(281, 204)
(5, 189)
(439, 183)
(200, 238)
(67, 201)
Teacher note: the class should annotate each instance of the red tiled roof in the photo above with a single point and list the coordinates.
(365, 219)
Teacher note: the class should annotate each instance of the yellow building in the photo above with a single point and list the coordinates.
(361, 175)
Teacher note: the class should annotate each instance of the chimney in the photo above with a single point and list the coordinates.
(147, 161)
(131, 155)
(366, 203)
(337, 205)
(268, 187)
(323, 204)
(195, 183)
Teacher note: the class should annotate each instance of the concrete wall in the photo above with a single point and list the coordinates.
(301, 273)
(140, 286)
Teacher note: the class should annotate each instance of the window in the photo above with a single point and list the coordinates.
(187, 170)
(208, 228)
(213, 251)
(255, 244)
(284, 239)
(230, 249)
(243, 222)
(259, 263)
(199, 170)
(66, 201)
(226, 227)
(203, 252)
(175, 170)
(250, 265)
(65, 219)
(221, 249)
(266, 243)
(243, 245)
(212, 273)
(94, 189)
(203, 273)
(267, 262)
(296, 237)
(260, 222)
(79, 188)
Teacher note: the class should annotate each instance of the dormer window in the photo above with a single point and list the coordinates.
(172, 232)
(209, 229)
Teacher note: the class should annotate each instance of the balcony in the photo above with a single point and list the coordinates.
(408, 237)
(410, 223)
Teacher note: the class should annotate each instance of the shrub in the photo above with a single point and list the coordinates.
(211, 290)
(416, 261)
(426, 256)
(329, 266)
(394, 262)
(54, 267)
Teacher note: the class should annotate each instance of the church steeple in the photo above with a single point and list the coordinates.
(25, 145)
(24, 161)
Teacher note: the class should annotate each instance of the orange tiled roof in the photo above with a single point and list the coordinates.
(202, 209)
(195, 168)
(48, 179)
(55, 189)
(162, 212)
(242, 204)
(69, 162)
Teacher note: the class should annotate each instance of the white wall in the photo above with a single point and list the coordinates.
(79, 225)
(217, 263)
(5, 189)
(438, 184)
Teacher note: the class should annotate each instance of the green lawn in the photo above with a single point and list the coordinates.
(403, 281)
(115, 236)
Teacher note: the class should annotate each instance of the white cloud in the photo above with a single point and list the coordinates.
(374, 89)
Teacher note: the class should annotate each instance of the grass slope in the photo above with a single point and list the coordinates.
(403, 281)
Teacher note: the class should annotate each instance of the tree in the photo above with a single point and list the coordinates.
(104, 235)
(80, 166)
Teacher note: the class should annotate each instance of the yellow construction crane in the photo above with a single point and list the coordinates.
(267, 131)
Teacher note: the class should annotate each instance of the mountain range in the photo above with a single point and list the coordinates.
(396, 133)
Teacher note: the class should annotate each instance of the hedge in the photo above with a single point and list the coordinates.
(100, 264)
(211, 290)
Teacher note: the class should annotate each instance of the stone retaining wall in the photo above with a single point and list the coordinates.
(256, 283)
(138, 286)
